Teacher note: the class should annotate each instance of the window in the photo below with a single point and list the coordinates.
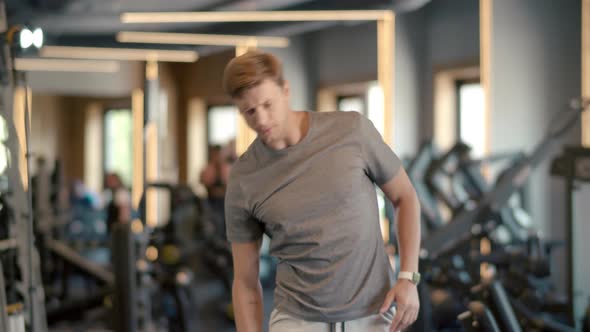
(118, 147)
(451, 99)
(365, 98)
(471, 121)
(376, 108)
(352, 103)
(221, 124)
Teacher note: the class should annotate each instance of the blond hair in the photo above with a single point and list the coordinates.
(249, 70)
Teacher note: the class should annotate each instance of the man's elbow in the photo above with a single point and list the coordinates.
(250, 282)
(408, 197)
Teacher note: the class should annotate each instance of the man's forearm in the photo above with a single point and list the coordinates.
(248, 307)
(408, 233)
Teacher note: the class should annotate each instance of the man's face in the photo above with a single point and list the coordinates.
(265, 108)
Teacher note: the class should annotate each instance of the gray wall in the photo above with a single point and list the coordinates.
(344, 53)
(442, 33)
(410, 56)
(452, 30)
(535, 71)
(295, 70)
(452, 37)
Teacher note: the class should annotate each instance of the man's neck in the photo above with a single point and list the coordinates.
(296, 131)
(299, 130)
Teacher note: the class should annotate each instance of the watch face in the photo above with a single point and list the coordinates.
(413, 277)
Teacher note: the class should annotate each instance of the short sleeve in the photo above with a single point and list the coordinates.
(241, 226)
(381, 163)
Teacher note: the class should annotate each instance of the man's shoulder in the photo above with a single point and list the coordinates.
(246, 162)
(344, 120)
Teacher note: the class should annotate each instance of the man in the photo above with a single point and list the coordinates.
(214, 177)
(308, 182)
(215, 174)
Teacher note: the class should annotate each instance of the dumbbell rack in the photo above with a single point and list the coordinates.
(20, 234)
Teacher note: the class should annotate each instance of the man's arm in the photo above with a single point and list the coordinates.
(403, 196)
(247, 291)
(401, 193)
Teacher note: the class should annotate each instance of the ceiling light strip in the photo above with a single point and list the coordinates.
(66, 65)
(129, 54)
(199, 39)
(255, 16)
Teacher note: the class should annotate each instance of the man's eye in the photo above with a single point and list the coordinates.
(250, 111)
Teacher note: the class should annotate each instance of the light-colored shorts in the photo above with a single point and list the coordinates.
(283, 322)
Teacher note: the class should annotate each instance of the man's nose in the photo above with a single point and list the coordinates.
(260, 120)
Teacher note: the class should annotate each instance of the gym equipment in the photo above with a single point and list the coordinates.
(173, 243)
(478, 318)
(69, 306)
(68, 242)
(3, 315)
(483, 217)
(535, 321)
(451, 260)
(458, 183)
(573, 165)
(449, 166)
(495, 294)
(11, 298)
(417, 170)
(166, 278)
(21, 221)
(586, 321)
(496, 306)
(174, 278)
(125, 313)
(525, 273)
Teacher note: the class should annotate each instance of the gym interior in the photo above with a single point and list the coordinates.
(117, 138)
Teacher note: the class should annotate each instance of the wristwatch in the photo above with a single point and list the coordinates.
(414, 277)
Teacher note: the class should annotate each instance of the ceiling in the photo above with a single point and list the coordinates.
(96, 22)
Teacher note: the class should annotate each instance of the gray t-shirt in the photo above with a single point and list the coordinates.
(316, 200)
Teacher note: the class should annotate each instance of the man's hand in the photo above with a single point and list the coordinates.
(401, 193)
(405, 295)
